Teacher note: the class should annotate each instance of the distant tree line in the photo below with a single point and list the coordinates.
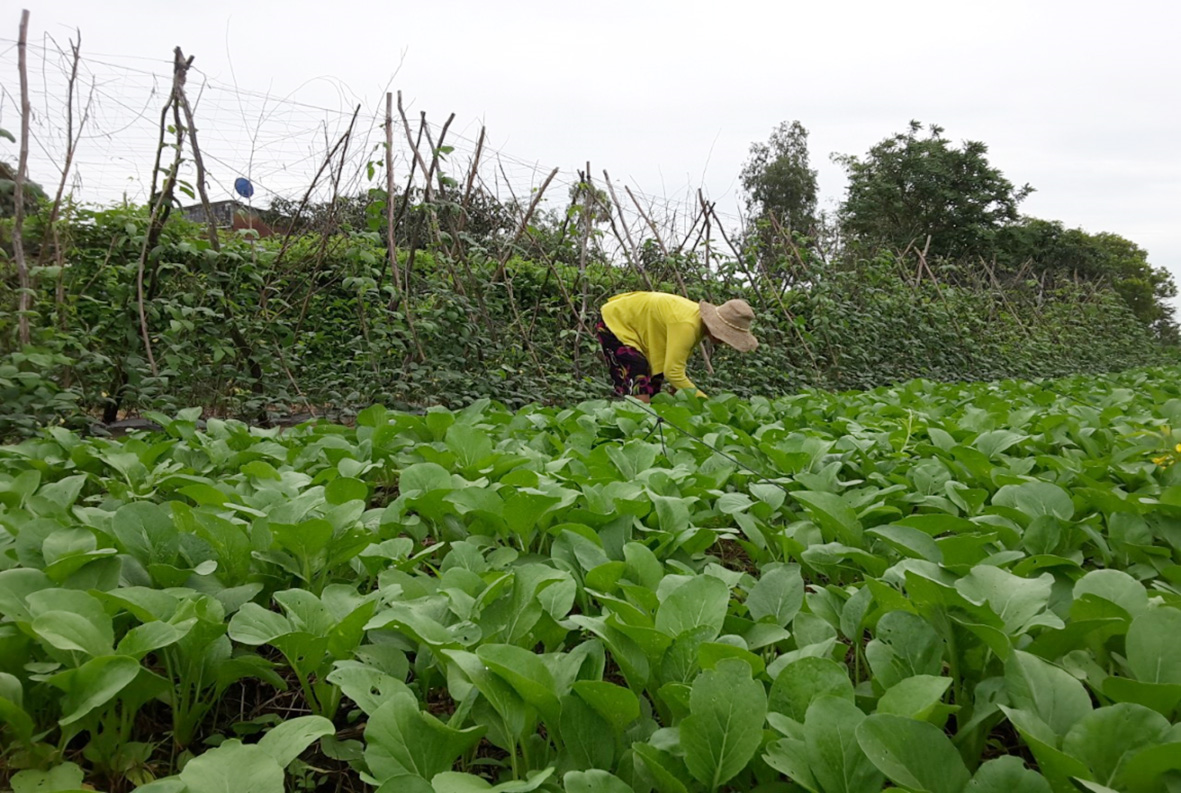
(917, 190)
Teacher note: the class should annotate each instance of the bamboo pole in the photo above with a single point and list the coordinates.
(389, 191)
(18, 245)
(634, 258)
(244, 348)
(163, 203)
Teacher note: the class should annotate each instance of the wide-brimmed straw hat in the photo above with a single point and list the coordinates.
(730, 323)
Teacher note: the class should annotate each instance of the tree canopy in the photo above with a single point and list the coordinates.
(778, 181)
(1048, 246)
(911, 186)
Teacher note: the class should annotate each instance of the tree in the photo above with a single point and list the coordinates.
(909, 187)
(1103, 258)
(778, 182)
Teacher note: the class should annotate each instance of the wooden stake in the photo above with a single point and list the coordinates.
(389, 191)
(245, 349)
(162, 204)
(634, 257)
(18, 221)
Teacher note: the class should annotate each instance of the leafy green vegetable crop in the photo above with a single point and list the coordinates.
(941, 588)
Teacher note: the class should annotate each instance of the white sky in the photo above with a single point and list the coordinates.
(1079, 99)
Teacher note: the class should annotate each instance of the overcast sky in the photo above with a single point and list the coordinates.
(1079, 99)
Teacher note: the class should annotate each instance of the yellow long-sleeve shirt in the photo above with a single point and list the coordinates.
(664, 327)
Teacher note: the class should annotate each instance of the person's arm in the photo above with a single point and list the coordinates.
(681, 339)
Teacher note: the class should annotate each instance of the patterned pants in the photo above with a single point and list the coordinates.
(629, 369)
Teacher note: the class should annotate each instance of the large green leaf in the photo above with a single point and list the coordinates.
(699, 603)
(526, 673)
(804, 680)
(151, 636)
(233, 768)
(632, 458)
(586, 735)
(1114, 586)
(835, 757)
(64, 778)
(776, 596)
(69, 631)
(789, 756)
(1007, 775)
(904, 645)
(836, 518)
(909, 541)
(59, 496)
(1035, 499)
(11, 710)
(455, 782)
(1154, 646)
(15, 587)
(145, 531)
(1045, 690)
(516, 717)
(71, 620)
(915, 697)
(254, 625)
(618, 705)
(721, 734)
(93, 684)
(1104, 737)
(470, 445)
(365, 685)
(401, 739)
(662, 768)
(1161, 697)
(993, 442)
(914, 754)
(423, 478)
(285, 742)
(1019, 602)
(1144, 770)
(1058, 767)
(594, 781)
(304, 539)
(344, 489)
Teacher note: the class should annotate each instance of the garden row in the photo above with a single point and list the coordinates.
(945, 588)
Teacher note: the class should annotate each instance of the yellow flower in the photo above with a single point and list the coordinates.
(1177, 447)
(1161, 460)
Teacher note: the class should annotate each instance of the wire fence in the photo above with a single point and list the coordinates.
(279, 143)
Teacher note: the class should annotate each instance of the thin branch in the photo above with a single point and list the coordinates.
(307, 196)
(471, 178)
(414, 147)
(656, 234)
(634, 258)
(525, 218)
